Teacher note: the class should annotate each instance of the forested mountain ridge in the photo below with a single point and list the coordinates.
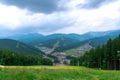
(19, 47)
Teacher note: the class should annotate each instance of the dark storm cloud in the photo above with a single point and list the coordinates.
(40, 6)
(93, 4)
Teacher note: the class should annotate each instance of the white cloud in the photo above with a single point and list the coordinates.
(103, 18)
(14, 18)
(10, 16)
(73, 20)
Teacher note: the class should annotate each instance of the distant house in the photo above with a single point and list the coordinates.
(61, 56)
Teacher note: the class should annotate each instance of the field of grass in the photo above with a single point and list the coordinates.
(56, 73)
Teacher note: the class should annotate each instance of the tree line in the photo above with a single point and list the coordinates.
(8, 57)
(103, 57)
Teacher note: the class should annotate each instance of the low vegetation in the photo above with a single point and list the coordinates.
(56, 73)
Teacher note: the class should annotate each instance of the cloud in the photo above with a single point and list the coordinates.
(39, 6)
(46, 24)
(106, 17)
(93, 4)
(16, 19)
(11, 16)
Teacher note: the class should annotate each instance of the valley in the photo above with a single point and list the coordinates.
(59, 39)
(60, 48)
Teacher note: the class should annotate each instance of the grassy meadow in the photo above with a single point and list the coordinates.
(56, 73)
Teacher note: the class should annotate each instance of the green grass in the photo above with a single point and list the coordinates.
(56, 73)
(72, 52)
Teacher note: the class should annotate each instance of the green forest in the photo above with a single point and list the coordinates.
(102, 57)
(8, 57)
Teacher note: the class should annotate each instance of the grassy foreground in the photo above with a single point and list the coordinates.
(56, 73)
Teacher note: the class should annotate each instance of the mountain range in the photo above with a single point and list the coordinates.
(61, 42)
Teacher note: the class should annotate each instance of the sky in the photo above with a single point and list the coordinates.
(58, 16)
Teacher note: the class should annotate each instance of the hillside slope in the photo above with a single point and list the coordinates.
(80, 48)
(18, 46)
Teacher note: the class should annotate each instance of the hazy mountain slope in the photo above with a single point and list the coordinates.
(53, 38)
(35, 38)
(66, 41)
(18, 46)
(98, 41)
(27, 38)
(58, 44)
